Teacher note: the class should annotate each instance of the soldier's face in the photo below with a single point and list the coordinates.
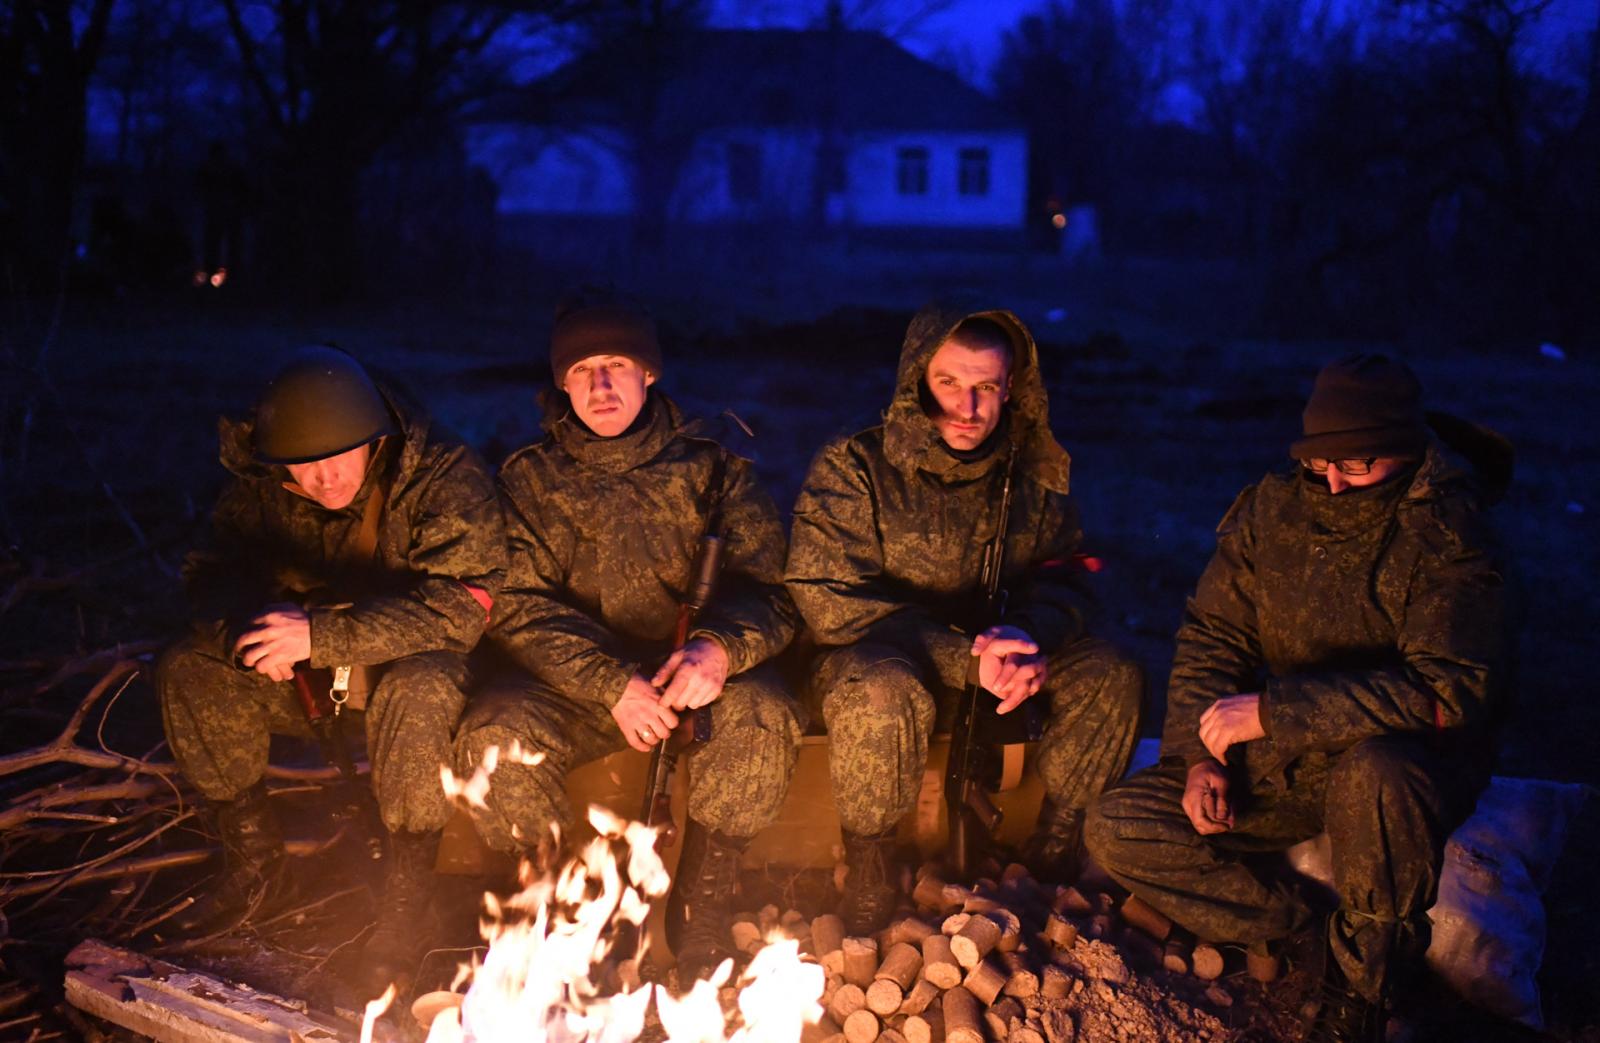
(969, 388)
(333, 481)
(1383, 468)
(607, 392)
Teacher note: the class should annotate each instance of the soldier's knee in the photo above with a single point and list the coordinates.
(185, 670)
(1383, 764)
(418, 678)
(876, 688)
(1124, 690)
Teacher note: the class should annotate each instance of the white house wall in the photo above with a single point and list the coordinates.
(788, 160)
(874, 199)
(541, 172)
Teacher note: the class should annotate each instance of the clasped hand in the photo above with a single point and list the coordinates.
(1010, 665)
(694, 676)
(279, 637)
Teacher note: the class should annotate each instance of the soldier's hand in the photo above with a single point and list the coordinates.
(697, 672)
(1205, 799)
(1231, 719)
(278, 637)
(642, 716)
(1010, 665)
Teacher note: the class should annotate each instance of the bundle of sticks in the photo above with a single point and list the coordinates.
(963, 967)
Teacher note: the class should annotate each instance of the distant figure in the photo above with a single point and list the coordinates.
(355, 554)
(1339, 669)
(884, 563)
(224, 189)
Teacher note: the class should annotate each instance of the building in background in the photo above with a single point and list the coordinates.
(819, 129)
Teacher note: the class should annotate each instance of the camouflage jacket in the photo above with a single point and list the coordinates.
(603, 535)
(440, 556)
(890, 527)
(1375, 611)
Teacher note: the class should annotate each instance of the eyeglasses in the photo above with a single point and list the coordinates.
(1347, 467)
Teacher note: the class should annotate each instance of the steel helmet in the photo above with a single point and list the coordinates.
(320, 404)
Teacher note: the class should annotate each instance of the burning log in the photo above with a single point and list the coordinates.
(747, 934)
(860, 960)
(938, 963)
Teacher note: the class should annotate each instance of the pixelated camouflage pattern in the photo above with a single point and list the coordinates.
(409, 609)
(737, 781)
(884, 561)
(603, 533)
(1374, 623)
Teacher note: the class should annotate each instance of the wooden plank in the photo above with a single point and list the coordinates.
(171, 1004)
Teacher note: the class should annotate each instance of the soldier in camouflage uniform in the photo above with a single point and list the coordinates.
(1337, 669)
(889, 533)
(353, 533)
(604, 517)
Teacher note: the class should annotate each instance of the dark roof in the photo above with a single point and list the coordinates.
(760, 77)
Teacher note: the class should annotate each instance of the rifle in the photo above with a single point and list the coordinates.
(972, 814)
(694, 728)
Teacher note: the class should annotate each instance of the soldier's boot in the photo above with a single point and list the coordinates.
(253, 877)
(869, 890)
(404, 909)
(698, 907)
(1053, 853)
(1336, 1013)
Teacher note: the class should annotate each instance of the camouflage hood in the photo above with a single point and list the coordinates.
(236, 438)
(912, 443)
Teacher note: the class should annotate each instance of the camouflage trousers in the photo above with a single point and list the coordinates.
(737, 781)
(219, 721)
(1387, 804)
(881, 703)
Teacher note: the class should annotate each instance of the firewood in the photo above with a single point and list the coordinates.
(1206, 961)
(884, 996)
(922, 994)
(795, 924)
(927, 1027)
(1175, 957)
(860, 960)
(953, 897)
(963, 1021)
(746, 935)
(938, 963)
(824, 1030)
(1058, 1026)
(768, 917)
(1010, 930)
(974, 941)
(1101, 926)
(1146, 918)
(981, 904)
(901, 964)
(1141, 948)
(861, 1027)
(827, 941)
(1021, 1033)
(999, 1017)
(985, 981)
(830, 986)
(1021, 980)
(892, 1035)
(847, 999)
(1060, 931)
(906, 929)
(1070, 900)
(1055, 983)
(1262, 966)
(1014, 872)
(929, 893)
(953, 923)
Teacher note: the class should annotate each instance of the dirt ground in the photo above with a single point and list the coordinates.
(1168, 407)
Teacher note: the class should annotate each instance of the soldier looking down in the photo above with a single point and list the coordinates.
(356, 549)
(604, 518)
(1338, 669)
(889, 532)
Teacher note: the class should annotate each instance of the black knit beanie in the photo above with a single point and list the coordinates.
(1363, 405)
(602, 323)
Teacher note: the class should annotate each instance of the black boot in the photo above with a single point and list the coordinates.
(397, 939)
(253, 880)
(1337, 1013)
(1054, 853)
(869, 889)
(701, 898)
